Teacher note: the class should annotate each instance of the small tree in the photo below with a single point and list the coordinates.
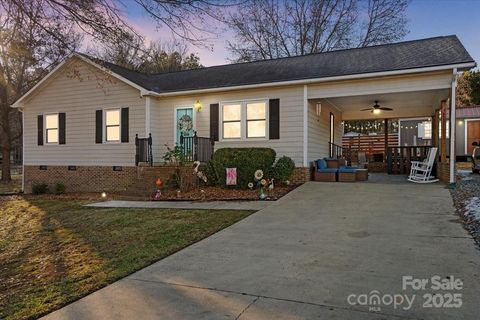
(27, 53)
(156, 57)
(468, 89)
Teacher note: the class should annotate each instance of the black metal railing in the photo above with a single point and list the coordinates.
(197, 148)
(335, 150)
(143, 150)
(399, 158)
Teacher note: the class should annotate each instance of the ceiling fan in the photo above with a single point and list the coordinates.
(376, 109)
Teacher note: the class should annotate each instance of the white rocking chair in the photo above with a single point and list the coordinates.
(421, 171)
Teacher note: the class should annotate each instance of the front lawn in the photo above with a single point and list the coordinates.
(55, 251)
(13, 186)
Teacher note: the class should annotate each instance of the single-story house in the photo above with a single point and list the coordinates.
(81, 121)
(468, 129)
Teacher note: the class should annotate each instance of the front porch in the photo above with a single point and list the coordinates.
(190, 148)
(387, 127)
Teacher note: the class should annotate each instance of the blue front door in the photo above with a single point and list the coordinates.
(184, 123)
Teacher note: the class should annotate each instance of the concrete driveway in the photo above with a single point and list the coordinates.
(317, 253)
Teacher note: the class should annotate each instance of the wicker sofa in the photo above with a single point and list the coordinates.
(332, 170)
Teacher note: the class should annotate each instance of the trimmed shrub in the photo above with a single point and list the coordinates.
(39, 188)
(60, 188)
(284, 168)
(246, 160)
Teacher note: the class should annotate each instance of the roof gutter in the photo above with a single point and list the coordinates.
(461, 66)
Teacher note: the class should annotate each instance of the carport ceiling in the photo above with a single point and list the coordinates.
(404, 104)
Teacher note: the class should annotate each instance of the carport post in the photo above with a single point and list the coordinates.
(386, 138)
(452, 126)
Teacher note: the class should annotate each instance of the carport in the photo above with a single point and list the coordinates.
(430, 95)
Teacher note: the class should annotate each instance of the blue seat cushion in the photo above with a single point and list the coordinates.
(328, 170)
(347, 169)
(321, 164)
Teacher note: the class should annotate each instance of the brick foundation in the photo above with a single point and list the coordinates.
(129, 179)
(443, 171)
(100, 178)
(300, 175)
(83, 179)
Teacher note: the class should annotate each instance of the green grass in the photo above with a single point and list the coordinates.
(55, 251)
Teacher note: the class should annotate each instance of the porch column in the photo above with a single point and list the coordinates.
(435, 129)
(305, 126)
(443, 138)
(453, 120)
(386, 138)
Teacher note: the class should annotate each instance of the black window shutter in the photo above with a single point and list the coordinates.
(214, 121)
(124, 124)
(61, 128)
(40, 130)
(274, 119)
(98, 126)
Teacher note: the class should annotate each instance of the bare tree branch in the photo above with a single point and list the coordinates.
(266, 29)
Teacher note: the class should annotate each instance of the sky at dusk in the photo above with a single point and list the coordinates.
(427, 18)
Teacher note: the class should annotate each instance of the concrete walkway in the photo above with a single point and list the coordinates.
(226, 205)
(305, 257)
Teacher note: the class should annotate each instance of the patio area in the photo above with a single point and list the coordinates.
(304, 256)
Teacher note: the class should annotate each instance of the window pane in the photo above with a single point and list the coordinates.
(256, 129)
(231, 112)
(113, 133)
(51, 121)
(231, 130)
(256, 110)
(112, 117)
(52, 136)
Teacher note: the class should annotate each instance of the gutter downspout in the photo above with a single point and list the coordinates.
(148, 103)
(23, 150)
(305, 126)
(453, 121)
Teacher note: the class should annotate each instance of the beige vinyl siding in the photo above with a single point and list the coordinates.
(79, 97)
(291, 120)
(391, 84)
(319, 130)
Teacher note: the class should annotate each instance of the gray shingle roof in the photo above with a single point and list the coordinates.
(429, 52)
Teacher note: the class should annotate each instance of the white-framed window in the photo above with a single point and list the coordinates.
(51, 128)
(425, 130)
(256, 119)
(232, 121)
(244, 119)
(112, 125)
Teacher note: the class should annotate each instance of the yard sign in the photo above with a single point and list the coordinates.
(231, 176)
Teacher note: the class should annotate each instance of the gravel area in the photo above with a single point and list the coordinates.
(466, 197)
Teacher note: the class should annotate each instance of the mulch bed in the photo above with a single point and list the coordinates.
(466, 189)
(219, 193)
(198, 194)
(66, 196)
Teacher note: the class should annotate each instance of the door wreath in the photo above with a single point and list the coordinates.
(185, 124)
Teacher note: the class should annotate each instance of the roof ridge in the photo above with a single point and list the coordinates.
(276, 59)
(310, 54)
